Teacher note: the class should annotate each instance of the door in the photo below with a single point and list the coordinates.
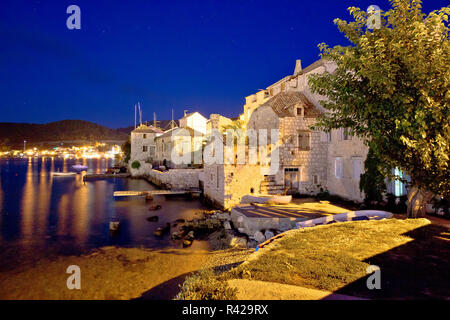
(291, 180)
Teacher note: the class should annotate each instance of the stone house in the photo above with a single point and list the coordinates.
(309, 161)
(195, 121)
(172, 148)
(302, 152)
(216, 121)
(143, 145)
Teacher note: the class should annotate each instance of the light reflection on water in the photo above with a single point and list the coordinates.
(45, 215)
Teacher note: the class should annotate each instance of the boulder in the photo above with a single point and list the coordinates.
(190, 235)
(269, 234)
(259, 237)
(153, 218)
(238, 242)
(187, 243)
(176, 235)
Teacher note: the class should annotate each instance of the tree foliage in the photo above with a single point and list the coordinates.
(372, 180)
(126, 149)
(391, 88)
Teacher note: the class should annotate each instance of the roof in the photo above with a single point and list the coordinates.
(147, 129)
(316, 64)
(282, 102)
(180, 132)
(187, 115)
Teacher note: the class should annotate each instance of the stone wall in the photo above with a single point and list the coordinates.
(241, 180)
(225, 185)
(312, 163)
(174, 178)
(346, 186)
(213, 186)
(143, 169)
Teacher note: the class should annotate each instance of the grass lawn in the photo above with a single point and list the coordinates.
(413, 255)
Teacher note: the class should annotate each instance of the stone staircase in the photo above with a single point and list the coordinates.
(269, 186)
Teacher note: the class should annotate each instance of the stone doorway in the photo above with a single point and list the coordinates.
(291, 180)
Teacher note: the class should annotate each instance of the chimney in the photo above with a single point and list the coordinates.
(298, 67)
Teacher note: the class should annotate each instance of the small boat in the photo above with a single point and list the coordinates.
(64, 174)
(79, 167)
(269, 199)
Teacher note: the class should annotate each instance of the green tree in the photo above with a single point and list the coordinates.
(126, 149)
(391, 88)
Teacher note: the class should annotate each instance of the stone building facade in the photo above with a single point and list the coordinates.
(216, 121)
(194, 120)
(310, 161)
(143, 145)
(183, 142)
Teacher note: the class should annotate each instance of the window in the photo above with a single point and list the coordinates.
(144, 148)
(217, 186)
(271, 91)
(357, 168)
(398, 185)
(304, 140)
(299, 111)
(152, 150)
(346, 134)
(315, 179)
(338, 168)
(145, 136)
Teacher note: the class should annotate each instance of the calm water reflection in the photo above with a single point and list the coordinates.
(45, 215)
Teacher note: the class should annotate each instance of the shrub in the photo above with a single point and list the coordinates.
(136, 165)
(372, 180)
(204, 285)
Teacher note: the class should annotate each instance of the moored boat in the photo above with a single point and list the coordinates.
(64, 174)
(79, 167)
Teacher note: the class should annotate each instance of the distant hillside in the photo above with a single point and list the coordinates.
(65, 130)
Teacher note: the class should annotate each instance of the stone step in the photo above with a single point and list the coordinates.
(262, 190)
(268, 183)
(272, 187)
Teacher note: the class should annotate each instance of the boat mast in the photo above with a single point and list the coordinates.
(140, 113)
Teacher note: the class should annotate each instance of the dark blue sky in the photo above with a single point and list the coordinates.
(197, 55)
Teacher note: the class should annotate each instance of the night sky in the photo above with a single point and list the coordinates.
(201, 56)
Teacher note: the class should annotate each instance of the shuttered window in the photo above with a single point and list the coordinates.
(303, 140)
